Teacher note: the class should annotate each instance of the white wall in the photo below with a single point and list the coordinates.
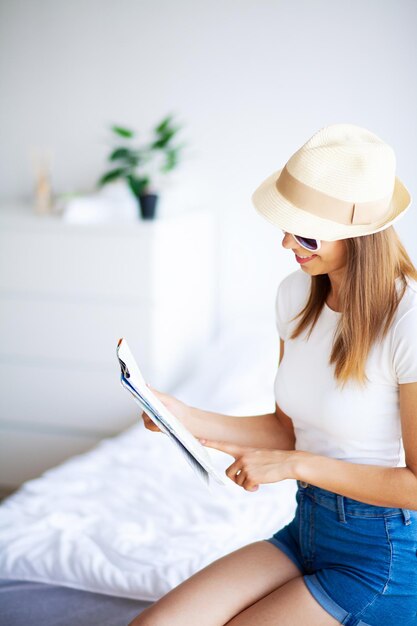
(251, 82)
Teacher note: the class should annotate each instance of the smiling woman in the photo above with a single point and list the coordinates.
(348, 319)
(355, 303)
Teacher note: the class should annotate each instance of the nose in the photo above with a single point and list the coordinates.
(289, 242)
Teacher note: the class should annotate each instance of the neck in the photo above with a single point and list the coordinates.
(335, 282)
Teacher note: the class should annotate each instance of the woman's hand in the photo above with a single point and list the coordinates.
(255, 466)
(175, 406)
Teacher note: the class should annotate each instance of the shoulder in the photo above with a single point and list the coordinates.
(406, 313)
(295, 286)
(404, 336)
(409, 299)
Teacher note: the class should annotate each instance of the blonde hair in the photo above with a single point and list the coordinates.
(368, 298)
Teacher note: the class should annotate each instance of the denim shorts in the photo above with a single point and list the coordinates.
(358, 560)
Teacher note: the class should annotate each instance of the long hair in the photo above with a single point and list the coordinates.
(368, 299)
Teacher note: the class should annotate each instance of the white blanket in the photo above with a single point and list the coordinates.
(130, 518)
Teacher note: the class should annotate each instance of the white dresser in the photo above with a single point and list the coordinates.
(68, 292)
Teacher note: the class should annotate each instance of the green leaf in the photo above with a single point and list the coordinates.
(112, 175)
(137, 184)
(120, 153)
(123, 132)
(131, 157)
(164, 124)
(165, 139)
(171, 160)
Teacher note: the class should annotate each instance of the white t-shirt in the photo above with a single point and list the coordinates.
(356, 424)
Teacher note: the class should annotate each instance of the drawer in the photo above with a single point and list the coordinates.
(149, 263)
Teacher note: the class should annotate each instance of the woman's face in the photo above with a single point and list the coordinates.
(330, 258)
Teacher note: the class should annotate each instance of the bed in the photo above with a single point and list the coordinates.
(106, 533)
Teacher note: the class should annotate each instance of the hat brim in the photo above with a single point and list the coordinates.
(274, 207)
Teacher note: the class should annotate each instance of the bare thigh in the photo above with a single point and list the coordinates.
(222, 589)
(289, 605)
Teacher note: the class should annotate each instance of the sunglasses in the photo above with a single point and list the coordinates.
(306, 242)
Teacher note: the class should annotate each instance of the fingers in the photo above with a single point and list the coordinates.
(162, 396)
(149, 424)
(229, 448)
(234, 471)
(240, 477)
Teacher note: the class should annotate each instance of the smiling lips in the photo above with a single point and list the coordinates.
(305, 259)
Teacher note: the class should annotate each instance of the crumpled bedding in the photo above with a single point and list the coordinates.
(130, 518)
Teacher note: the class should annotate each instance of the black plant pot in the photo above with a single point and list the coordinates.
(147, 203)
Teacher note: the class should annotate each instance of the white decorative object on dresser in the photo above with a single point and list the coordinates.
(68, 293)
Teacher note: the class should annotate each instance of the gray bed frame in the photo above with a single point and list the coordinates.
(39, 604)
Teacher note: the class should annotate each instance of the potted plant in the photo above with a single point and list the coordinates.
(134, 164)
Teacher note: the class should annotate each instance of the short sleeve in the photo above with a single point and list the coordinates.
(405, 348)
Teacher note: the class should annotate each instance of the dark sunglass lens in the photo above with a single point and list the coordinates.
(311, 244)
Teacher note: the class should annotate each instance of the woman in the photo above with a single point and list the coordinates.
(345, 425)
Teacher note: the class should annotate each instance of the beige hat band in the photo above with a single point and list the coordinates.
(322, 205)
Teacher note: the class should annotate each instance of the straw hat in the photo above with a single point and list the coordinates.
(339, 184)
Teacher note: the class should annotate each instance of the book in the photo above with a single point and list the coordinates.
(195, 453)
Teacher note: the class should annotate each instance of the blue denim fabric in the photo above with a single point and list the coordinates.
(358, 560)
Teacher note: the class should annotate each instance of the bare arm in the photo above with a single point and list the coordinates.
(271, 430)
